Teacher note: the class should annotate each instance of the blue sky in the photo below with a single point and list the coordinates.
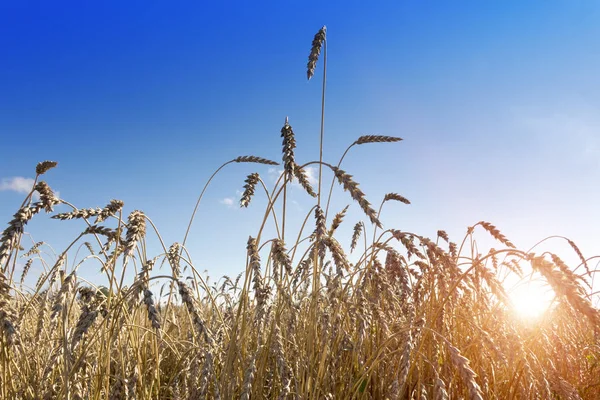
(497, 103)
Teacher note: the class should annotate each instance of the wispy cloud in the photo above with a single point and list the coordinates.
(20, 184)
(228, 201)
(311, 174)
(273, 174)
(17, 184)
(573, 134)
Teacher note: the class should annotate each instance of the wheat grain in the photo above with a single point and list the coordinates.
(280, 256)
(26, 269)
(174, 259)
(109, 210)
(315, 51)
(466, 373)
(254, 159)
(302, 177)
(320, 231)
(44, 167)
(358, 228)
(376, 139)
(396, 197)
(136, 230)
(33, 250)
(251, 182)
(337, 221)
(289, 144)
(152, 312)
(351, 186)
(496, 233)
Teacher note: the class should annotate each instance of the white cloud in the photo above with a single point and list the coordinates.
(23, 185)
(274, 173)
(311, 174)
(17, 184)
(228, 201)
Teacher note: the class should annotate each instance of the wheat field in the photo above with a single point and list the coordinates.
(390, 315)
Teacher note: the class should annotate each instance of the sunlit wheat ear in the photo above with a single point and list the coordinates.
(495, 233)
(570, 289)
(304, 265)
(581, 257)
(358, 228)
(562, 388)
(405, 359)
(174, 259)
(396, 197)
(492, 281)
(10, 236)
(187, 299)
(261, 292)
(351, 186)
(7, 313)
(251, 182)
(434, 252)
(26, 269)
(61, 297)
(315, 51)
(466, 373)
(152, 312)
(280, 256)
(33, 250)
(439, 390)
(44, 167)
(47, 197)
(337, 221)
(113, 207)
(254, 159)
(78, 214)
(302, 177)
(443, 235)
(407, 241)
(453, 249)
(110, 233)
(376, 139)
(136, 230)
(88, 245)
(320, 231)
(249, 377)
(208, 371)
(88, 315)
(282, 364)
(569, 274)
(339, 257)
(141, 281)
(288, 144)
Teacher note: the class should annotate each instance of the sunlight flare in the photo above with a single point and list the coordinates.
(530, 300)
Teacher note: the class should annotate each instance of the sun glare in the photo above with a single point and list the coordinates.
(531, 300)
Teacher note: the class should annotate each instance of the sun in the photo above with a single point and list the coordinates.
(530, 299)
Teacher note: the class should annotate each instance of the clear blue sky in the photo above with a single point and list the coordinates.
(498, 104)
